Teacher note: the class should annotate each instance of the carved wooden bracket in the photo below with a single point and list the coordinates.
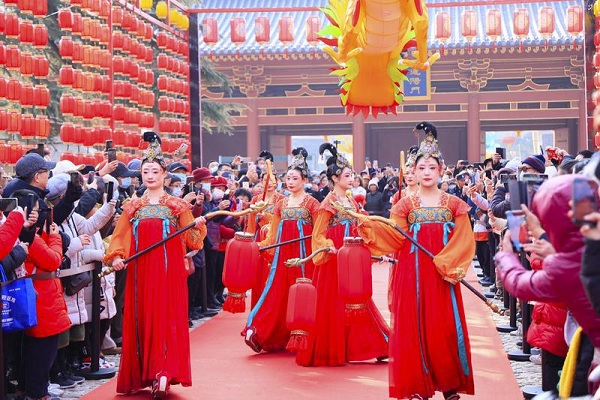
(528, 83)
(251, 79)
(473, 74)
(576, 71)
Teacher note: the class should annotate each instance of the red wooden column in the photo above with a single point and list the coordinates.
(583, 140)
(252, 131)
(359, 142)
(473, 129)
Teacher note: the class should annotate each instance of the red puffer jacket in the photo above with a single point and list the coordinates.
(45, 255)
(547, 323)
(9, 231)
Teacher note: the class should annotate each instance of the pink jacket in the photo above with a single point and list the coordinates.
(558, 281)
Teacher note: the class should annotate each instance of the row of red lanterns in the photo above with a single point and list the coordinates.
(25, 30)
(79, 53)
(87, 109)
(84, 158)
(171, 125)
(27, 63)
(172, 85)
(141, 97)
(86, 27)
(26, 95)
(521, 23)
(89, 82)
(131, 23)
(33, 7)
(11, 152)
(127, 67)
(26, 125)
(172, 64)
(100, 8)
(168, 42)
(87, 136)
(131, 46)
(262, 30)
(133, 116)
(168, 104)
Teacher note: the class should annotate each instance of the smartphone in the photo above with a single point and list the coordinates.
(112, 154)
(584, 200)
(227, 194)
(40, 149)
(30, 203)
(49, 219)
(8, 204)
(246, 185)
(477, 166)
(75, 178)
(91, 177)
(191, 187)
(279, 186)
(110, 189)
(502, 152)
(518, 228)
(517, 194)
(532, 183)
(109, 145)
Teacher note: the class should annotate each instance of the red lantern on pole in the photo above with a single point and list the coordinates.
(239, 270)
(301, 313)
(443, 27)
(354, 276)
(575, 20)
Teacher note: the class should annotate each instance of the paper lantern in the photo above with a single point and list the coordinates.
(286, 30)
(41, 66)
(42, 126)
(65, 19)
(575, 20)
(469, 23)
(313, 27)
(493, 19)
(161, 40)
(13, 89)
(2, 54)
(12, 25)
(354, 276)
(41, 96)
(546, 21)
(27, 97)
(40, 35)
(14, 122)
(66, 75)
(77, 28)
(67, 104)
(301, 313)
(65, 48)
(117, 15)
(3, 88)
(40, 8)
(27, 125)
(26, 67)
(161, 10)
(521, 22)
(239, 270)
(238, 30)
(26, 32)
(509, 140)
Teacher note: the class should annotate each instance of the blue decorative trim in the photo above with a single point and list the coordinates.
(462, 349)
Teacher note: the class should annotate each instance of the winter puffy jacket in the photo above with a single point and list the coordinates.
(558, 281)
(45, 255)
(9, 231)
(547, 323)
(108, 309)
(79, 255)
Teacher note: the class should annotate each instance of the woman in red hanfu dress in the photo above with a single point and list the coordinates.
(292, 218)
(336, 338)
(429, 345)
(409, 177)
(156, 347)
(258, 225)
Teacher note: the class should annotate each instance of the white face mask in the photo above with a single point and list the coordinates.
(213, 170)
(176, 192)
(217, 194)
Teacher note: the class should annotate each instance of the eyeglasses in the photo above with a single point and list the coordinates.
(527, 169)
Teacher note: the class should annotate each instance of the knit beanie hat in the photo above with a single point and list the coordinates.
(536, 162)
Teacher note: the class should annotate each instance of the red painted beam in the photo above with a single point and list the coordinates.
(472, 3)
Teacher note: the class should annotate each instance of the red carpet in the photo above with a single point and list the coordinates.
(225, 369)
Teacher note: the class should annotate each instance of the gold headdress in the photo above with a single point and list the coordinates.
(298, 162)
(336, 159)
(412, 157)
(429, 145)
(153, 153)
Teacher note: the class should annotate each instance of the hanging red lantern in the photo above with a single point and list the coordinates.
(65, 47)
(40, 8)
(117, 15)
(150, 78)
(521, 22)
(301, 313)
(493, 26)
(42, 126)
(161, 40)
(162, 61)
(41, 66)
(354, 276)
(77, 24)
(3, 88)
(13, 89)
(443, 27)
(238, 30)
(105, 8)
(66, 75)
(26, 64)
(41, 96)
(149, 57)
(313, 27)
(79, 107)
(509, 140)
(77, 52)
(13, 57)
(12, 25)
(87, 28)
(286, 30)
(65, 19)
(469, 24)
(546, 21)
(2, 21)
(104, 34)
(161, 82)
(575, 20)
(25, 6)
(2, 54)
(119, 112)
(239, 270)
(67, 104)
(27, 125)
(27, 97)
(78, 79)
(40, 35)
(149, 32)
(26, 32)
(14, 121)
(67, 133)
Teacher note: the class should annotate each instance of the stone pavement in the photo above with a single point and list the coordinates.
(526, 373)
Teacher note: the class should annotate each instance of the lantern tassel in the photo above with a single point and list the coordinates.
(298, 341)
(235, 303)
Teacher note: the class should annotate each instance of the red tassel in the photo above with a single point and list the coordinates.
(235, 303)
(298, 341)
(356, 313)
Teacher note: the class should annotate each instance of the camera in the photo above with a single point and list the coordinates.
(8, 204)
(112, 154)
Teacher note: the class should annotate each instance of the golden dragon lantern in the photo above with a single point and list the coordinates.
(366, 39)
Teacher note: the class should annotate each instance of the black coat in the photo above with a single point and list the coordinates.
(590, 272)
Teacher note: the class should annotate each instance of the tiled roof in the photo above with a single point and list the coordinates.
(224, 46)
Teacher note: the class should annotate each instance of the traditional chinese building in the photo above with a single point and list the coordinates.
(511, 67)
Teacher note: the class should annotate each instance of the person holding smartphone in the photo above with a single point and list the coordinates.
(558, 281)
(156, 285)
